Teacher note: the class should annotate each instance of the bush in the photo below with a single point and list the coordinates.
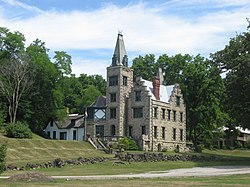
(128, 144)
(3, 149)
(18, 130)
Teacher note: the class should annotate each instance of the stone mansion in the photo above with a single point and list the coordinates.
(149, 112)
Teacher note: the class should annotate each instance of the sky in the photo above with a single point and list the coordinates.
(87, 29)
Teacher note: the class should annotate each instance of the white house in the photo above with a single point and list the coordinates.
(71, 128)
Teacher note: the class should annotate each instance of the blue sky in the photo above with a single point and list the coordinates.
(87, 29)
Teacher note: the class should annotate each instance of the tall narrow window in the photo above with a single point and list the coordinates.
(74, 134)
(181, 116)
(155, 131)
(178, 101)
(130, 130)
(137, 95)
(174, 134)
(48, 134)
(112, 113)
(54, 135)
(174, 112)
(112, 130)
(181, 134)
(113, 97)
(169, 114)
(113, 80)
(163, 113)
(125, 80)
(143, 130)
(163, 133)
(155, 112)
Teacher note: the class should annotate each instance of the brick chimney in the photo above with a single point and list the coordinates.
(156, 87)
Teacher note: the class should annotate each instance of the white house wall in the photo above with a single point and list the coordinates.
(79, 132)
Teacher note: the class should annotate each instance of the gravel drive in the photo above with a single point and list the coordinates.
(188, 172)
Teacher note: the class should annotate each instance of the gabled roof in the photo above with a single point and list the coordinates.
(165, 91)
(100, 102)
(71, 121)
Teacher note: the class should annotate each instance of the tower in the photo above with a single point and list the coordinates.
(119, 84)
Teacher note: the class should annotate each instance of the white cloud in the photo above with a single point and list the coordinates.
(146, 30)
(90, 67)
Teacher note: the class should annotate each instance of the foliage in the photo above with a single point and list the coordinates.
(234, 60)
(128, 144)
(18, 130)
(3, 149)
(144, 66)
(202, 88)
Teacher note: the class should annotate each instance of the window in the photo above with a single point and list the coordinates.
(174, 115)
(99, 130)
(137, 95)
(63, 135)
(155, 131)
(174, 134)
(51, 123)
(181, 134)
(169, 114)
(163, 113)
(48, 134)
(130, 129)
(163, 132)
(54, 135)
(155, 112)
(112, 130)
(138, 112)
(143, 130)
(113, 97)
(112, 113)
(113, 80)
(125, 80)
(178, 101)
(181, 116)
(74, 134)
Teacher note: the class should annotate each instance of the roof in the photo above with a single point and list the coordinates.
(245, 131)
(165, 91)
(100, 102)
(120, 52)
(71, 121)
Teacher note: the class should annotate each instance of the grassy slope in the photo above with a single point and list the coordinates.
(39, 150)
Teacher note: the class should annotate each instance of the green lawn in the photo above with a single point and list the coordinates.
(232, 180)
(39, 150)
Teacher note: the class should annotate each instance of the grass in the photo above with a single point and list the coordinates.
(232, 180)
(39, 150)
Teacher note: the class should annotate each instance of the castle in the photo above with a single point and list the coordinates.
(149, 112)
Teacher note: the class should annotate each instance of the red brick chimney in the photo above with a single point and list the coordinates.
(156, 87)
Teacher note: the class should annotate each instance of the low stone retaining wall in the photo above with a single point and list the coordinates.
(156, 157)
(58, 163)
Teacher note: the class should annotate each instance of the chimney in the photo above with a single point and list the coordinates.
(156, 87)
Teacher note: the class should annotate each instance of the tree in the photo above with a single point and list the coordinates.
(144, 66)
(14, 71)
(234, 60)
(14, 82)
(202, 88)
(63, 62)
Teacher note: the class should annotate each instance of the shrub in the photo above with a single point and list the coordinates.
(128, 144)
(3, 149)
(18, 130)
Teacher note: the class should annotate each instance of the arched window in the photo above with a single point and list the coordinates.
(112, 130)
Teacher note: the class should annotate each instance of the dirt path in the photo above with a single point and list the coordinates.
(189, 172)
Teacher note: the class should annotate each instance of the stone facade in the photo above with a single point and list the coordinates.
(149, 112)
